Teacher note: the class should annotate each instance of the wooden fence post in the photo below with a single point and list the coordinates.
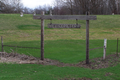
(104, 51)
(42, 38)
(2, 43)
(117, 47)
(87, 40)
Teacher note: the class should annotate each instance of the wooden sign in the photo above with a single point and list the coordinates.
(64, 25)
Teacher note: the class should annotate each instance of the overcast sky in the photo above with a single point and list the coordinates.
(36, 3)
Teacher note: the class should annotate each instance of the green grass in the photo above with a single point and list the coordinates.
(64, 45)
(39, 72)
(13, 21)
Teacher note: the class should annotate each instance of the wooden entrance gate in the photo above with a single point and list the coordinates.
(65, 17)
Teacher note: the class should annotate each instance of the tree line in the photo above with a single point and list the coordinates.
(64, 7)
(82, 6)
(16, 6)
(11, 6)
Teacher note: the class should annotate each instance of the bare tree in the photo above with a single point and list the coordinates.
(70, 5)
(12, 6)
(1, 6)
(113, 6)
(118, 6)
(57, 6)
(45, 8)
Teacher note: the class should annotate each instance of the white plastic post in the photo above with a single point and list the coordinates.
(50, 12)
(34, 13)
(21, 14)
(104, 50)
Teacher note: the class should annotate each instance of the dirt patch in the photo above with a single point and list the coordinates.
(76, 79)
(108, 74)
(111, 60)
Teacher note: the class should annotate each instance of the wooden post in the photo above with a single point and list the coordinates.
(104, 51)
(87, 40)
(2, 43)
(117, 47)
(42, 38)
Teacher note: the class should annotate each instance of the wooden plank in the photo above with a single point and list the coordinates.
(65, 17)
(21, 47)
(64, 25)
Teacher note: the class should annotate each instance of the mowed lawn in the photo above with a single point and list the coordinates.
(64, 45)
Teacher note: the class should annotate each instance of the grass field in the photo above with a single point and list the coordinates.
(64, 45)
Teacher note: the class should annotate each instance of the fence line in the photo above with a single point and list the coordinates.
(2, 46)
(104, 48)
(96, 48)
(21, 47)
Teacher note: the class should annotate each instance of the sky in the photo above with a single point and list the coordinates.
(35, 3)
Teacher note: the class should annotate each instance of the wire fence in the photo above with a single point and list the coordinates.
(112, 47)
(21, 48)
(29, 49)
(96, 48)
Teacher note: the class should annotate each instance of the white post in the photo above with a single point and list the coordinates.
(104, 50)
(50, 12)
(21, 14)
(34, 13)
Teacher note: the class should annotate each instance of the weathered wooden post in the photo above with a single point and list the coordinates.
(87, 39)
(42, 37)
(2, 44)
(117, 47)
(104, 51)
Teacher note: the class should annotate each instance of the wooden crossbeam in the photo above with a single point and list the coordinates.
(64, 25)
(65, 17)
